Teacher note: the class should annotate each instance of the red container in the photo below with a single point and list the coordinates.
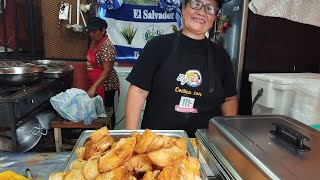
(80, 75)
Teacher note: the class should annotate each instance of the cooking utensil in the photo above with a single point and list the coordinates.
(85, 7)
(21, 75)
(78, 12)
(49, 63)
(69, 26)
(28, 173)
(84, 21)
(29, 133)
(77, 28)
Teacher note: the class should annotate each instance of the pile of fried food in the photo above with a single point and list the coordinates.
(139, 157)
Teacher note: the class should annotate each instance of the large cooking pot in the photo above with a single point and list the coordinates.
(29, 133)
(21, 75)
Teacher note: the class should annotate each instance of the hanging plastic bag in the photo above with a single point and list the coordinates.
(75, 105)
(105, 5)
(172, 6)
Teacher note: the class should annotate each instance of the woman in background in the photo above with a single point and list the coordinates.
(103, 79)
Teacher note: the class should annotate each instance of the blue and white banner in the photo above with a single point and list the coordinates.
(136, 22)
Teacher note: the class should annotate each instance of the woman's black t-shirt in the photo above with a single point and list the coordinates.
(177, 80)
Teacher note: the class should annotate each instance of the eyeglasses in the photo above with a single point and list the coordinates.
(208, 8)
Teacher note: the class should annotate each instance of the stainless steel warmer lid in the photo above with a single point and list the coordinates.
(254, 150)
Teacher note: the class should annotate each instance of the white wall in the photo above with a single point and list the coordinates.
(119, 108)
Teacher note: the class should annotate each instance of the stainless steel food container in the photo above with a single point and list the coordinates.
(261, 147)
(118, 134)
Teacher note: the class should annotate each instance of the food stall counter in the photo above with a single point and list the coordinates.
(40, 164)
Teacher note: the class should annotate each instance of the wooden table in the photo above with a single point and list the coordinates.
(59, 123)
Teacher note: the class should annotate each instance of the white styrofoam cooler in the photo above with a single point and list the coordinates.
(278, 93)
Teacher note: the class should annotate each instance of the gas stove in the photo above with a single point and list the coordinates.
(18, 103)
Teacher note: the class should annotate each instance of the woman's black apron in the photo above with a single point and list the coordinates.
(169, 92)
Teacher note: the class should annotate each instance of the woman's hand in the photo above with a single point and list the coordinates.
(91, 91)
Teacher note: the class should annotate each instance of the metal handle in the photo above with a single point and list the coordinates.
(39, 129)
(35, 130)
(290, 136)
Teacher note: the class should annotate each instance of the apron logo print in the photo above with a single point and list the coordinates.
(192, 78)
(186, 105)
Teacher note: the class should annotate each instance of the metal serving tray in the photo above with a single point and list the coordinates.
(215, 160)
(118, 134)
(264, 147)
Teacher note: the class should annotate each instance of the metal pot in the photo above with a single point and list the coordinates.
(45, 117)
(29, 133)
(50, 63)
(20, 75)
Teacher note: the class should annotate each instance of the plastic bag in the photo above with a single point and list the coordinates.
(306, 103)
(75, 105)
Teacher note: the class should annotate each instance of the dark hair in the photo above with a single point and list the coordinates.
(95, 23)
(219, 2)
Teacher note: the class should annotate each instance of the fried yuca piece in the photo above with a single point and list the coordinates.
(139, 164)
(109, 161)
(151, 175)
(130, 177)
(187, 174)
(145, 141)
(169, 141)
(89, 150)
(169, 173)
(75, 173)
(156, 144)
(182, 144)
(125, 147)
(98, 134)
(191, 163)
(135, 134)
(118, 155)
(77, 164)
(161, 141)
(166, 156)
(80, 152)
(119, 173)
(57, 176)
(103, 144)
(90, 169)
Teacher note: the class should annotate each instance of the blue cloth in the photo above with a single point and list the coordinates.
(75, 105)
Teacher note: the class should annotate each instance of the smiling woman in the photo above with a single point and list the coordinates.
(197, 21)
(194, 75)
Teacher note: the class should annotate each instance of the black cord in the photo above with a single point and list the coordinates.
(122, 120)
(119, 121)
(259, 94)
